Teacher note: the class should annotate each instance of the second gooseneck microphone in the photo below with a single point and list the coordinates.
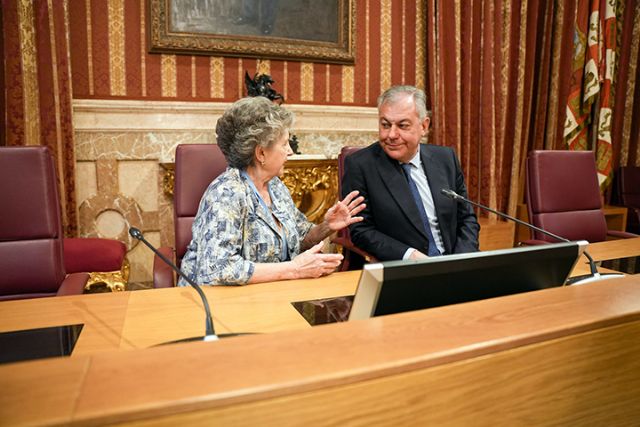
(210, 332)
(595, 275)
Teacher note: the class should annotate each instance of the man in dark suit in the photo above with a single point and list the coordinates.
(395, 172)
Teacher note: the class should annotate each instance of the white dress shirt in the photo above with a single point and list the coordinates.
(420, 178)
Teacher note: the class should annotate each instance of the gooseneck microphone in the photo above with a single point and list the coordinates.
(210, 332)
(595, 275)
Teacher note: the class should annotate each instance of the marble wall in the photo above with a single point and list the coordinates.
(121, 145)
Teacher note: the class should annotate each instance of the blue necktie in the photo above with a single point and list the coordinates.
(432, 249)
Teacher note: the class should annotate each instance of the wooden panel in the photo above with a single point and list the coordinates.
(584, 379)
(616, 217)
(103, 316)
(26, 400)
(613, 249)
(495, 234)
(565, 355)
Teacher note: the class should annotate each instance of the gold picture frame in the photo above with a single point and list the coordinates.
(307, 30)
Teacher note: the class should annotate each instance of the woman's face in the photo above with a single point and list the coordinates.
(276, 155)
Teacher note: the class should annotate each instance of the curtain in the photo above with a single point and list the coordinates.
(625, 132)
(498, 76)
(499, 79)
(37, 88)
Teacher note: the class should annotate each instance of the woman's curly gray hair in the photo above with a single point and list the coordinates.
(250, 122)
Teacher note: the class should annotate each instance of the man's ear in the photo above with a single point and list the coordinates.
(425, 125)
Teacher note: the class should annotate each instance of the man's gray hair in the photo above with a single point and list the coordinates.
(392, 95)
(250, 122)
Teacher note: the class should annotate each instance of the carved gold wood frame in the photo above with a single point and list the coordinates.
(163, 40)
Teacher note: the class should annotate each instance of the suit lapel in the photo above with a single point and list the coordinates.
(393, 177)
(436, 181)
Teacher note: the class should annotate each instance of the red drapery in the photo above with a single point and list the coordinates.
(499, 77)
(37, 83)
(498, 74)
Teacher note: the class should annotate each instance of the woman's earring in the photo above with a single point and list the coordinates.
(262, 162)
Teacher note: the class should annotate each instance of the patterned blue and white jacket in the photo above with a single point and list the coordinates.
(232, 231)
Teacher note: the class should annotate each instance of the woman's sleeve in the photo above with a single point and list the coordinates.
(221, 218)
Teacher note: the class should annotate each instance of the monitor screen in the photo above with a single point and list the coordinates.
(397, 286)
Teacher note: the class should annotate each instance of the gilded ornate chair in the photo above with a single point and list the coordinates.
(563, 197)
(31, 241)
(196, 165)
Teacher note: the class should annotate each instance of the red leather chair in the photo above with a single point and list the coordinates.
(627, 192)
(88, 254)
(563, 197)
(354, 257)
(196, 165)
(31, 241)
(104, 259)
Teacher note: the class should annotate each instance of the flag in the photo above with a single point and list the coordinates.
(589, 107)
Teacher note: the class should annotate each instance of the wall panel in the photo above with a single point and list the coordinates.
(384, 55)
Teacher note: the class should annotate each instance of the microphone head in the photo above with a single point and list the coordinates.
(449, 193)
(135, 233)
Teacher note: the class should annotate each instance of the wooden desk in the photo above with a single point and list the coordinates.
(136, 320)
(612, 249)
(563, 355)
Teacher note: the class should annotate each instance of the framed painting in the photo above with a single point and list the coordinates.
(303, 30)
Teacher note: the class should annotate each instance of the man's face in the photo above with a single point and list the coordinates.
(400, 128)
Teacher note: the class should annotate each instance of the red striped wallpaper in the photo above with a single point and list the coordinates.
(95, 29)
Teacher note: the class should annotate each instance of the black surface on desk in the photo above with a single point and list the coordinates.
(38, 343)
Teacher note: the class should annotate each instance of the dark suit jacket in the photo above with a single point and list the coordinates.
(391, 222)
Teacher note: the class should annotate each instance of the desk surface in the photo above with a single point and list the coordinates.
(351, 367)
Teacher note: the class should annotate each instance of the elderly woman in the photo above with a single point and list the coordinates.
(247, 229)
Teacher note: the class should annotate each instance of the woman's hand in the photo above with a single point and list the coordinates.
(342, 214)
(313, 263)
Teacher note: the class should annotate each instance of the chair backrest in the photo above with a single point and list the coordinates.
(344, 153)
(563, 195)
(629, 186)
(31, 251)
(196, 166)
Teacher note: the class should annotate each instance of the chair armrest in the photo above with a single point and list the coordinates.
(163, 275)
(73, 284)
(348, 245)
(620, 234)
(93, 255)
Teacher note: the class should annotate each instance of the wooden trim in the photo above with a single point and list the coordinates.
(552, 382)
(563, 355)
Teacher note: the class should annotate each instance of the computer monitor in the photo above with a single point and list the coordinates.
(397, 286)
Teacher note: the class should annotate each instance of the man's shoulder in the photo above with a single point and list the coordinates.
(438, 152)
(437, 149)
(366, 153)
